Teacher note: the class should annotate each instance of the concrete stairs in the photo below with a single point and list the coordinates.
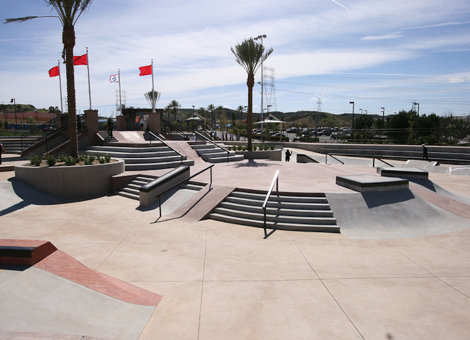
(132, 190)
(310, 212)
(212, 154)
(107, 138)
(140, 157)
(16, 144)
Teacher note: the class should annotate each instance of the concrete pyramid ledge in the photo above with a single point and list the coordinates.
(44, 255)
(368, 183)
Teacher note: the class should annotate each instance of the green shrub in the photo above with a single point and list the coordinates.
(69, 160)
(107, 158)
(62, 157)
(271, 146)
(51, 160)
(35, 160)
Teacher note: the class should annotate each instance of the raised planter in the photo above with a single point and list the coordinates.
(274, 155)
(85, 181)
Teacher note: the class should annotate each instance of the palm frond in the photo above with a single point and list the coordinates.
(7, 21)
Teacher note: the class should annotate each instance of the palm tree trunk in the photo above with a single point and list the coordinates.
(249, 117)
(68, 39)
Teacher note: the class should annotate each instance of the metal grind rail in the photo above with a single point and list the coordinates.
(329, 154)
(379, 159)
(268, 195)
(159, 196)
(161, 140)
(217, 145)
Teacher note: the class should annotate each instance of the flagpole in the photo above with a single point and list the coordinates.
(153, 92)
(120, 101)
(88, 69)
(60, 87)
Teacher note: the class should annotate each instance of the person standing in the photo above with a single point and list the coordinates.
(288, 154)
(2, 151)
(425, 152)
(110, 127)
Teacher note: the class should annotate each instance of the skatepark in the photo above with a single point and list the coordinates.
(398, 268)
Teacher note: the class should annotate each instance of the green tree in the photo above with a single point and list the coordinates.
(68, 12)
(250, 55)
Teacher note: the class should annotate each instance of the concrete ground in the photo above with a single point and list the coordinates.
(224, 281)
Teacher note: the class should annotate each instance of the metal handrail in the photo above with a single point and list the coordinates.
(275, 181)
(172, 148)
(329, 154)
(159, 196)
(207, 139)
(380, 159)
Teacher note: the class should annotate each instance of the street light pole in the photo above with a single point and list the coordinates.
(261, 37)
(352, 126)
(383, 115)
(13, 100)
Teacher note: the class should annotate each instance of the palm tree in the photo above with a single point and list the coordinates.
(68, 12)
(250, 54)
(211, 109)
(174, 106)
(152, 98)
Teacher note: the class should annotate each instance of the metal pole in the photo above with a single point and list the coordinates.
(60, 87)
(120, 101)
(88, 69)
(153, 94)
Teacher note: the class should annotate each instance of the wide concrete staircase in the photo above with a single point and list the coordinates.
(142, 157)
(213, 154)
(309, 212)
(132, 190)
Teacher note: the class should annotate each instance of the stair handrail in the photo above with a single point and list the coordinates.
(331, 155)
(181, 182)
(268, 195)
(172, 148)
(380, 159)
(217, 145)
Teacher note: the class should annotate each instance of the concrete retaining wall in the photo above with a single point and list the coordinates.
(85, 181)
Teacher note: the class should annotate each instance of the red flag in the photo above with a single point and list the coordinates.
(145, 70)
(54, 72)
(80, 60)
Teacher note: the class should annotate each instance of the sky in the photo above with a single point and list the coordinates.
(327, 53)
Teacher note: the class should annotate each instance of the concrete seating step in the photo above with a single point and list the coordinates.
(276, 225)
(161, 165)
(279, 218)
(285, 204)
(277, 210)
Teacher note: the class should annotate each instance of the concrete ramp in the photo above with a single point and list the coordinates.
(129, 136)
(391, 214)
(57, 295)
(41, 302)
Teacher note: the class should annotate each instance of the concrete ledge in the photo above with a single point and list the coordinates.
(24, 252)
(85, 181)
(368, 183)
(408, 173)
(149, 191)
(274, 155)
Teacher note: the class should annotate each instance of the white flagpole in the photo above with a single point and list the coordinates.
(60, 87)
(153, 92)
(88, 68)
(120, 101)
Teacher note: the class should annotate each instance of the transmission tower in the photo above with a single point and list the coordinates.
(123, 99)
(319, 105)
(269, 89)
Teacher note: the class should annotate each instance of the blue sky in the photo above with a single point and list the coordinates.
(375, 53)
